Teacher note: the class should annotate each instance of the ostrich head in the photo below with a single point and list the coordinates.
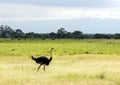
(52, 49)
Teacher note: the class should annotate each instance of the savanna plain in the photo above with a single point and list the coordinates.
(75, 62)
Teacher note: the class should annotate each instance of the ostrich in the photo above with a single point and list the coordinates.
(43, 60)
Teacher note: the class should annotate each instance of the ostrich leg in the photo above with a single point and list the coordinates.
(39, 67)
(44, 68)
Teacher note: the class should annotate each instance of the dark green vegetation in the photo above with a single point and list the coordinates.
(8, 32)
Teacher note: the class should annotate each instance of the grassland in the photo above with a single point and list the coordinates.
(75, 62)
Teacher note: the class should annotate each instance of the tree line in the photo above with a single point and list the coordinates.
(7, 32)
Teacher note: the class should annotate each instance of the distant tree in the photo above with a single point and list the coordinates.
(37, 35)
(53, 35)
(6, 31)
(103, 36)
(117, 36)
(19, 33)
(69, 35)
(30, 35)
(61, 33)
(77, 35)
(87, 36)
(1, 31)
(44, 36)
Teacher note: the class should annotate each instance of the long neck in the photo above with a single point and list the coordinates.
(33, 58)
(51, 53)
(50, 59)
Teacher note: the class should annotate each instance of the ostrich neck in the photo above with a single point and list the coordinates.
(50, 56)
(51, 53)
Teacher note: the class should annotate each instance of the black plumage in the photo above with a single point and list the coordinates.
(43, 60)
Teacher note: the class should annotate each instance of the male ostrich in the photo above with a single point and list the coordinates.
(43, 60)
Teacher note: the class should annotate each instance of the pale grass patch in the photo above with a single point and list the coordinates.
(63, 70)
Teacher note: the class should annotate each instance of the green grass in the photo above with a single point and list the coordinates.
(75, 62)
(62, 47)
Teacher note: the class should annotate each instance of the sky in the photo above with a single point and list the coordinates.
(44, 16)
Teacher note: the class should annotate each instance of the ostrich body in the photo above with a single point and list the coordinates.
(43, 60)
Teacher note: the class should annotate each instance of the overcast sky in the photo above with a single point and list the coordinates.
(42, 16)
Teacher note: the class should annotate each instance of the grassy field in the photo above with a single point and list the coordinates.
(75, 62)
